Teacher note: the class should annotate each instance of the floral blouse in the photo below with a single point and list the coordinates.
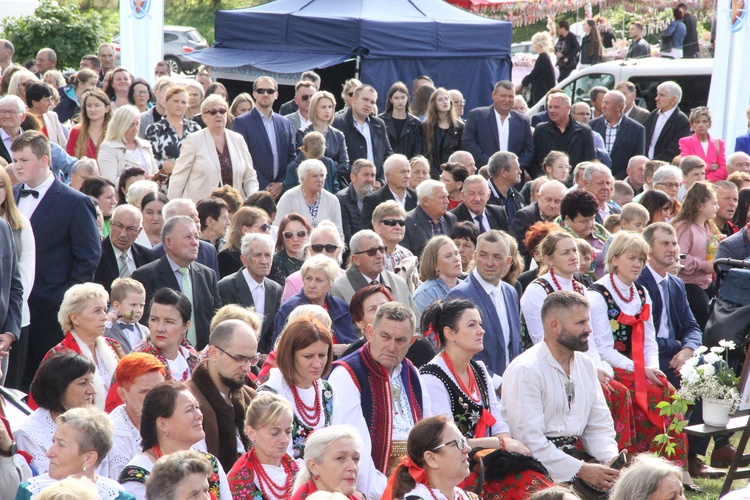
(164, 140)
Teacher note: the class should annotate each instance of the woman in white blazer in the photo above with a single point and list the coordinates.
(212, 157)
(39, 100)
(122, 148)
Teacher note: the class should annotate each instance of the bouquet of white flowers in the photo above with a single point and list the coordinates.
(707, 375)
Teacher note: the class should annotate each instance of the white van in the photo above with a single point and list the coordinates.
(692, 75)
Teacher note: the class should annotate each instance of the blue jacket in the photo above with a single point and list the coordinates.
(338, 310)
(677, 31)
(472, 290)
(742, 143)
(250, 125)
(630, 141)
(736, 246)
(481, 137)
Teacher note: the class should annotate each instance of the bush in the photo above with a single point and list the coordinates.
(69, 32)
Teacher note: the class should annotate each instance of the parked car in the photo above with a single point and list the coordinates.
(178, 42)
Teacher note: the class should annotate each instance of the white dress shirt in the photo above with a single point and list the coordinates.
(535, 406)
(503, 130)
(258, 291)
(364, 129)
(661, 120)
(27, 205)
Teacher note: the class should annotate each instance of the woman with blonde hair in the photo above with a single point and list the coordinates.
(322, 106)
(542, 76)
(439, 271)
(122, 148)
(649, 478)
(442, 130)
(19, 81)
(86, 137)
(168, 134)
(195, 98)
(241, 104)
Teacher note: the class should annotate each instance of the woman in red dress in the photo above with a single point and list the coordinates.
(85, 138)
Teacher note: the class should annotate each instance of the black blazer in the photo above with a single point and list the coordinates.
(668, 142)
(233, 289)
(482, 140)
(4, 153)
(108, 270)
(541, 78)
(442, 151)
(630, 141)
(351, 217)
(356, 144)
(418, 229)
(495, 215)
(411, 141)
(372, 200)
(523, 220)
(206, 299)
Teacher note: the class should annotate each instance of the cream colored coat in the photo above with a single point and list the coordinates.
(197, 171)
(54, 129)
(114, 158)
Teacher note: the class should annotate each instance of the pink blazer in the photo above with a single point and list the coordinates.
(691, 145)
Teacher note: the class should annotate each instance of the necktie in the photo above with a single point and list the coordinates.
(664, 285)
(187, 289)
(29, 192)
(479, 218)
(124, 268)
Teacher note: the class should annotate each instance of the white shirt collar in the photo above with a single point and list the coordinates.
(250, 280)
(486, 285)
(44, 186)
(667, 114)
(657, 277)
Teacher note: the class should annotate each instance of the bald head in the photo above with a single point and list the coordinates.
(46, 59)
(464, 158)
(550, 197)
(581, 112)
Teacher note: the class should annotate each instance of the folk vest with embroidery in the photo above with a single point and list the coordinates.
(525, 337)
(622, 334)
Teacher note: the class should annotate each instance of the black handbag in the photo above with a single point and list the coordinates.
(729, 318)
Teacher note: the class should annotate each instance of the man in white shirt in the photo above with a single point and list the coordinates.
(667, 124)
(552, 399)
(250, 286)
(380, 393)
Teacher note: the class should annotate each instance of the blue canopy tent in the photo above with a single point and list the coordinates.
(392, 40)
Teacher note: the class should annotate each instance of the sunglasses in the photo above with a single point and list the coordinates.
(305, 97)
(460, 443)
(372, 252)
(393, 222)
(265, 91)
(329, 248)
(214, 112)
(288, 235)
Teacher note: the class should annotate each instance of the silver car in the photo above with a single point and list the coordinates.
(178, 42)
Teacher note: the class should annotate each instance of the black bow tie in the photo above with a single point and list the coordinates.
(27, 192)
(127, 326)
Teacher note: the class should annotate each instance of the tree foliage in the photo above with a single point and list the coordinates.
(71, 33)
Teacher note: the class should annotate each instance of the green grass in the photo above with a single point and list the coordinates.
(712, 487)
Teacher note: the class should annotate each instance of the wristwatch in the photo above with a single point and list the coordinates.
(11, 451)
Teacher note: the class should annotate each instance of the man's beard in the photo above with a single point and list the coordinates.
(573, 342)
(232, 383)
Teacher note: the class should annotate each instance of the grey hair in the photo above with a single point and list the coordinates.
(95, 430)
(11, 98)
(500, 162)
(250, 238)
(736, 156)
(552, 184)
(85, 164)
(172, 208)
(393, 161)
(559, 95)
(474, 179)
(355, 244)
(138, 190)
(594, 167)
(75, 300)
(313, 310)
(619, 96)
(170, 470)
(322, 263)
(329, 227)
(672, 89)
(123, 209)
(394, 311)
(317, 444)
(212, 100)
(171, 223)
(666, 172)
(635, 159)
(426, 188)
(360, 164)
(643, 478)
(308, 167)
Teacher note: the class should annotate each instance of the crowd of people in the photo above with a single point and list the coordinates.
(212, 298)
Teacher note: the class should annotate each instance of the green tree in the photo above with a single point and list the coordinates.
(69, 32)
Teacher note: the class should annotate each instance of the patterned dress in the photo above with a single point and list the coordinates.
(243, 483)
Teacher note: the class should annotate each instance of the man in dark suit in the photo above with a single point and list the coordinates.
(431, 217)
(498, 128)
(475, 209)
(206, 251)
(358, 123)
(546, 208)
(504, 174)
(677, 333)
(352, 197)
(179, 271)
(397, 177)
(12, 114)
(291, 106)
(11, 289)
(623, 137)
(632, 111)
(269, 136)
(67, 248)
(120, 254)
(250, 286)
(497, 302)
(667, 124)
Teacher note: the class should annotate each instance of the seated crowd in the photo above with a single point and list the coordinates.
(220, 300)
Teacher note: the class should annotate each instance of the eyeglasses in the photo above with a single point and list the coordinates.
(214, 112)
(305, 97)
(460, 443)
(141, 92)
(393, 222)
(128, 229)
(673, 185)
(570, 392)
(329, 248)
(265, 228)
(265, 91)
(288, 235)
(243, 360)
(7, 112)
(372, 252)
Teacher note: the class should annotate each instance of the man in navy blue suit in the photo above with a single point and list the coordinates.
(498, 128)
(269, 136)
(623, 136)
(497, 302)
(67, 247)
(677, 334)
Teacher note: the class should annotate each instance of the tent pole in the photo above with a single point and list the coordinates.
(356, 69)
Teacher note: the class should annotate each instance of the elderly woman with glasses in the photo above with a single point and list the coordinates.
(214, 156)
(292, 239)
(304, 353)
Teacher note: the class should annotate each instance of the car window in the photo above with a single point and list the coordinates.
(193, 36)
(578, 89)
(170, 37)
(694, 89)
